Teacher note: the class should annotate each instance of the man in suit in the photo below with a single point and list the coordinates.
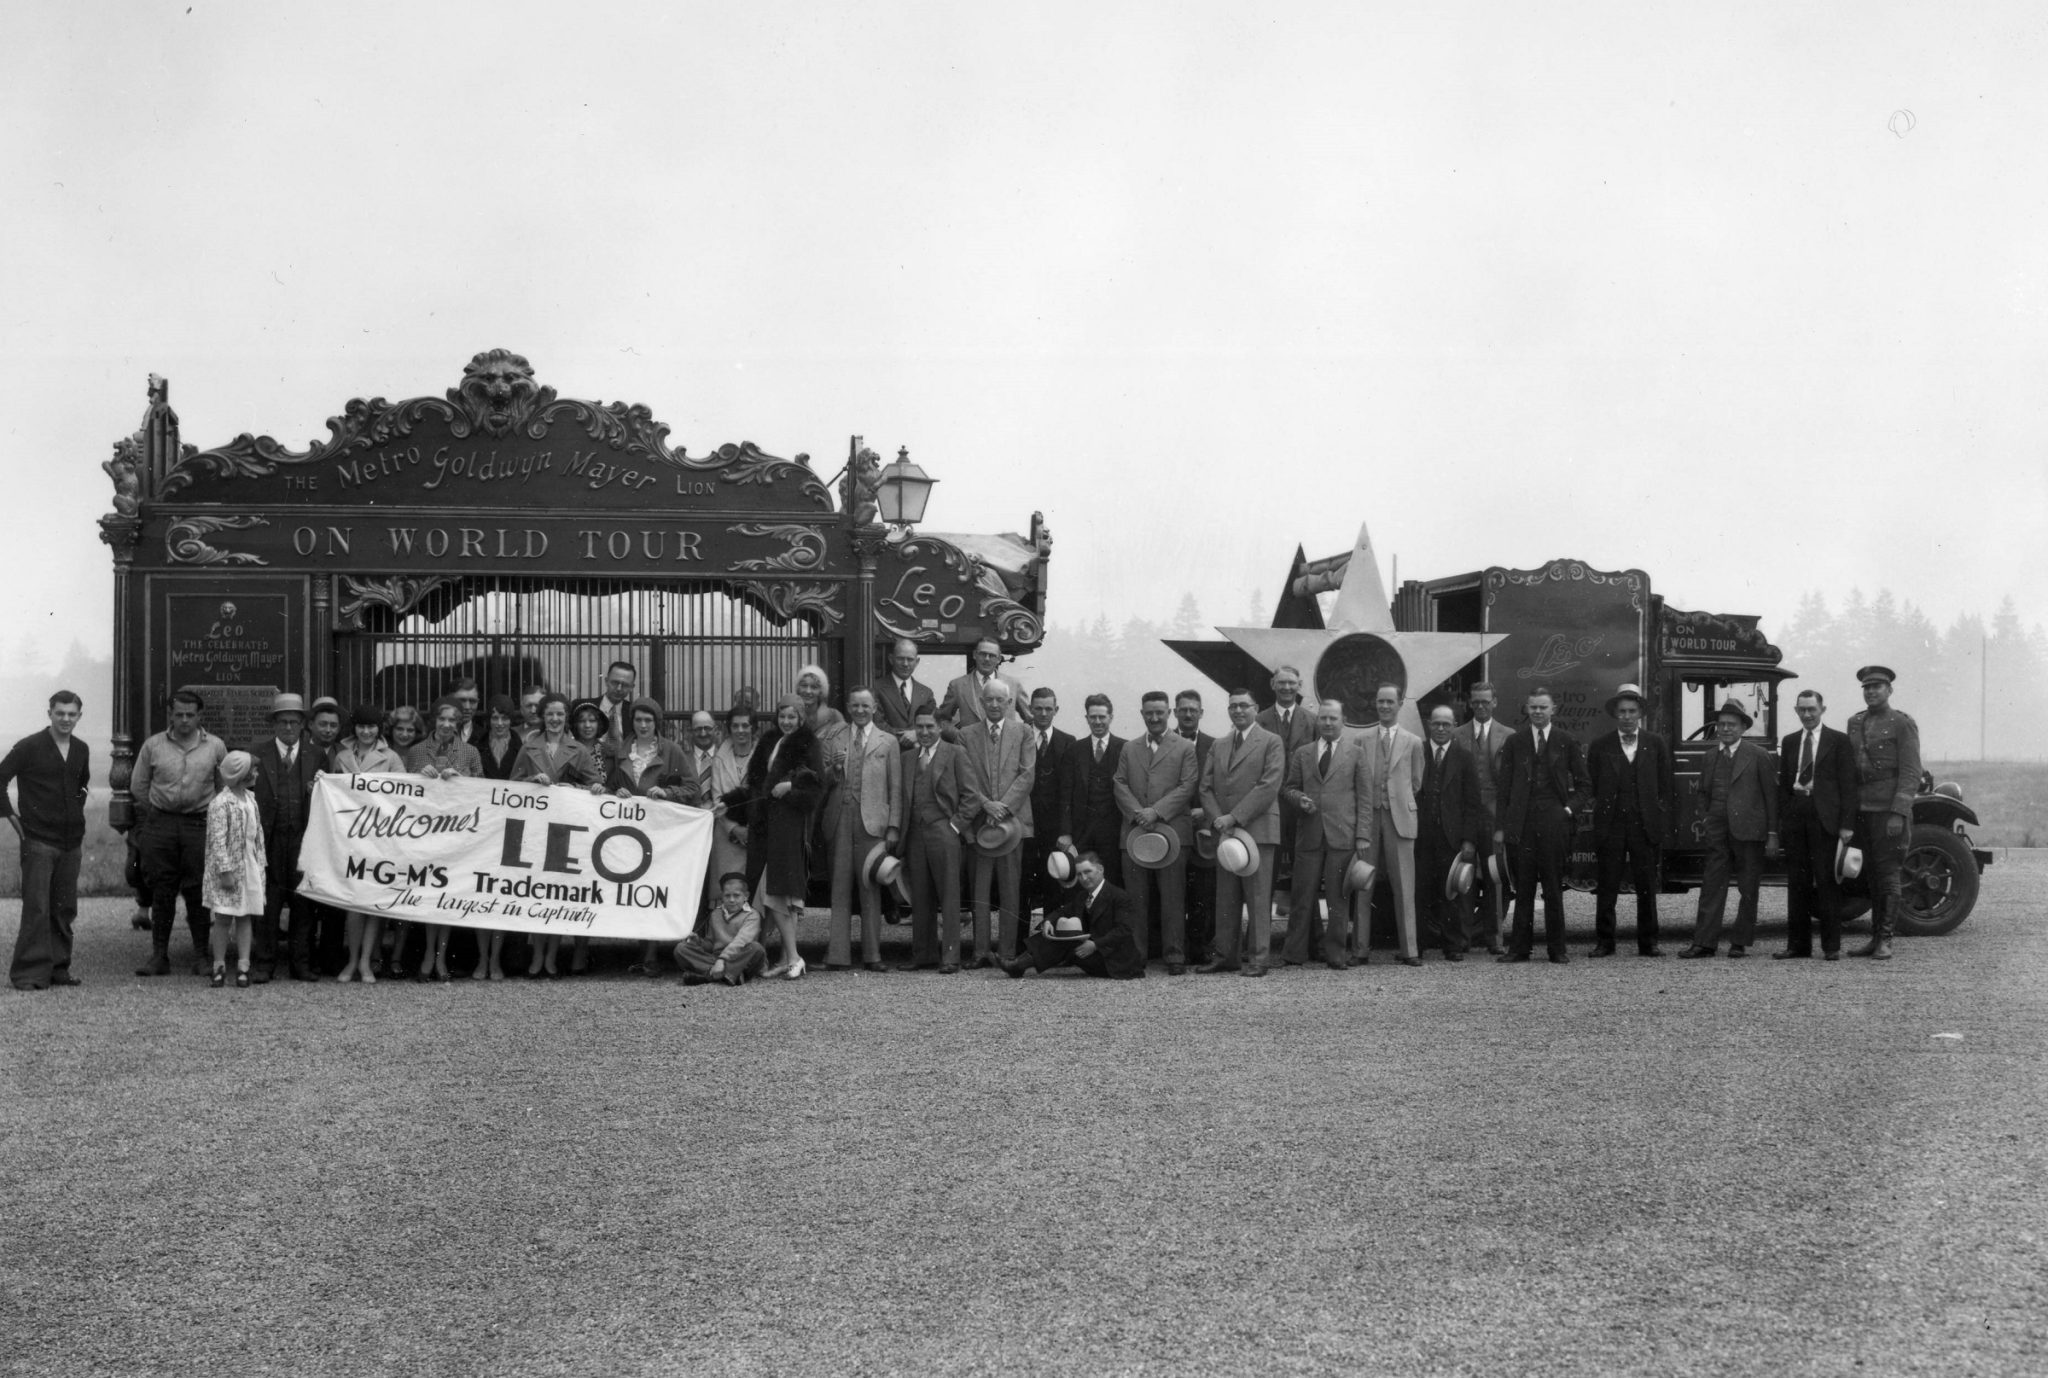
(1200, 898)
(1328, 789)
(1101, 944)
(1737, 802)
(935, 817)
(1449, 822)
(1393, 766)
(1887, 746)
(1002, 760)
(872, 808)
(1155, 785)
(1635, 805)
(1242, 790)
(1093, 823)
(1485, 736)
(1051, 785)
(966, 701)
(1816, 812)
(1542, 788)
(286, 766)
(1294, 723)
(901, 694)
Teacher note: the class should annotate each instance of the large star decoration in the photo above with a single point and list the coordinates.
(1360, 650)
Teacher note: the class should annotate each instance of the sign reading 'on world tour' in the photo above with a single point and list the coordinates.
(519, 857)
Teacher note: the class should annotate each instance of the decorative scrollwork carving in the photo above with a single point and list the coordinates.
(790, 600)
(400, 593)
(1557, 571)
(185, 542)
(806, 547)
(745, 463)
(1014, 624)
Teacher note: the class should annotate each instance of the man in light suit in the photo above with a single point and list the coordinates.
(1155, 784)
(1484, 736)
(1327, 785)
(1393, 767)
(935, 816)
(1294, 723)
(1449, 822)
(1817, 787)
(1635, 806)
(870, 813)
(1542, 790)
(901, 694)
(1002, 766)
(1242, 790)
(966, 701)
(1052, 783)
(1737, 800)
(1092, 821)
(1201, 873)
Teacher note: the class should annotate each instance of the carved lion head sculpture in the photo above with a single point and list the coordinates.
(498, 393)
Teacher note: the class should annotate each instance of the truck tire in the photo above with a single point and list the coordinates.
(1938, 882)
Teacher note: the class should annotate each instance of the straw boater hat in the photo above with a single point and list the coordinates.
(1627, 691)
(1458, 881)
(287, 703)
(1848, 861)
(1066, 928)
(879, 868)
(1357, 876)
(1154, 848)
(1238, 853)
(235, 765)
(1733, 709)
(999, 839)
(1059, 866)
(1497, 871)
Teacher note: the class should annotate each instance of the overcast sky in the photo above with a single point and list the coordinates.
(1749, 298)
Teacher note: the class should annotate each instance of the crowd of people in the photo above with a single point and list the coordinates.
(1004, 840)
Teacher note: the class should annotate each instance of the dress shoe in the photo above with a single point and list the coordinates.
(1015, 970)
(1495, 950)
(1831, 956)
(1602, 950)
(1338, 964)
(305, 974)
(1884, 951)
(950, 969)
(1454, 957)
(1560, 958)
(1252, 969)
(877, 967)
(1869, 949)
(30, 985)
(65, 980)
(1649, 952)
(261, 975)
(696, 978)
(1512, 957)
(201, 967)
(1695, 951)
(1176, 968)
(1211, 968)
(159, 964)
(839, 966)
(1737, 950)
(1408, 961)
(1787, 954)
(915, 966)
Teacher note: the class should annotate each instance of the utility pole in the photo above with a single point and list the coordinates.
(1983, 690)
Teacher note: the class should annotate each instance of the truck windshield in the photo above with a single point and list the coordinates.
(1703, 697)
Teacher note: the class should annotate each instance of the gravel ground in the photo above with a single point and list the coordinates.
(1619, 1166)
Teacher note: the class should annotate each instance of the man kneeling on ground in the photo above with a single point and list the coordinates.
(1092, 931)
(726, 948)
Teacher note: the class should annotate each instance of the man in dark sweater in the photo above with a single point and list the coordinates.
(52, 768)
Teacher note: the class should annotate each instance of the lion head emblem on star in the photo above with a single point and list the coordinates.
(498, 393)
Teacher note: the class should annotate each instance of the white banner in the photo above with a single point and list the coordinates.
(495, 854)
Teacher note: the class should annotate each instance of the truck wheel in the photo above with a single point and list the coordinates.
(1938, 882)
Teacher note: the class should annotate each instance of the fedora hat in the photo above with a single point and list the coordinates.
(1205, 844)
(1358, 876)
(287, 703)
(1848, 861)
(1059, 866)
(1154, 848)
(1066, 928)
(1238, 853)
(1627, 691)
(1733, 709)
(1497, 872)
(1458, 880)
(878, 868)
(999, 839)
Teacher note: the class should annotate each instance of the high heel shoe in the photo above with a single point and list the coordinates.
(220, 977)
(241, 980)
(796, 970)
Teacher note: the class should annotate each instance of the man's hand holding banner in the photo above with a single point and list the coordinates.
(497, 854)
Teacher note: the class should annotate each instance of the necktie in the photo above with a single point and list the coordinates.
(1098, 751)
(924, 758)
(1439, 759)
(1806, 763)
(291, 757)
(1540, 735)
(1153, 743)
(1286, 717)
(1041, 742)
(1239, 745)
(1323, 763)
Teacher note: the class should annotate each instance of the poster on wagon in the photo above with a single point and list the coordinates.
(492, 854)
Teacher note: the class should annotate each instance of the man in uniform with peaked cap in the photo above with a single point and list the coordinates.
(1887, 747)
